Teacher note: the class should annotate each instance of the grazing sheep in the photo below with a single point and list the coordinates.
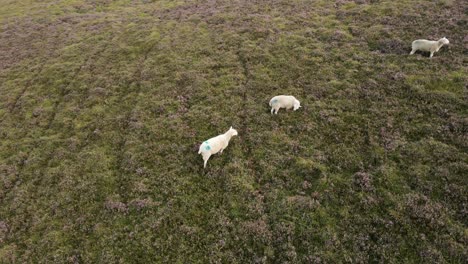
(284, 101)
(428, 45)
(216, 144)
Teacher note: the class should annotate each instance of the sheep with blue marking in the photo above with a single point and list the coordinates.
(284, 101)
(428, 45)
(216, 144)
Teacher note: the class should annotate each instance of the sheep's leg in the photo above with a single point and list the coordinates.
(432, 54)
(225, 146)
(272, 109)
(205, 159)
(276, 111)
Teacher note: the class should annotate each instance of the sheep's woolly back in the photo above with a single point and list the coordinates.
(424, 45)
(215, 144)
(429, 45)
(284, 101)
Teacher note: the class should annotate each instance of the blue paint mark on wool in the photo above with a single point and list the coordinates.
(207, 147)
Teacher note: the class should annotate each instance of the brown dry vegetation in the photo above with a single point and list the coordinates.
(103, 105)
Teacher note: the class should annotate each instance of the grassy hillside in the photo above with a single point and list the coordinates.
(103, 105)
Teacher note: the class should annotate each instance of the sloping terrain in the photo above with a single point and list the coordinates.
(103, 105)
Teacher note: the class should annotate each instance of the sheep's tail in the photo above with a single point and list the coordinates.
(271, 102)
(200, 149)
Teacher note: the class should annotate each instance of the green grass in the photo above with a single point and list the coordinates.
(103, 105)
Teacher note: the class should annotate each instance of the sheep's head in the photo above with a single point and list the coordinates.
(444, 41)
(233, 131)
(297, 104)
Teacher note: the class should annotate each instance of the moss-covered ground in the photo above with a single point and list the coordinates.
(103, 105)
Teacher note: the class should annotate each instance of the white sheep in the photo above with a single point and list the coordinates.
(215, 145)
(428, 45)
(284, 101)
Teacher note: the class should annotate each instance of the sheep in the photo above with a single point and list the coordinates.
(215, 145)
(284, 101)
(428, 45)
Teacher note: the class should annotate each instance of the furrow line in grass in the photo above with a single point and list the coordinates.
(11, 108)
(43, 62)
(124, 128)
(251, 163)
(35, 146)
(86, 141)
(28, 84)
(22, 164)
(64, 91)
